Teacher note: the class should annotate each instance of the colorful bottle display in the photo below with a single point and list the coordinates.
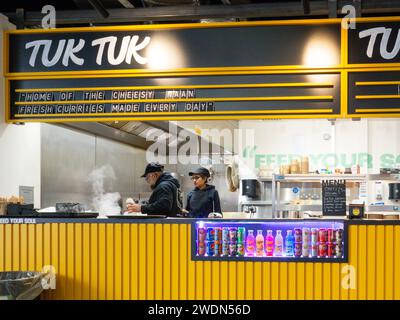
(250, 243)
(289, 243)
(278, 244)
(259, 244)
(269, 244)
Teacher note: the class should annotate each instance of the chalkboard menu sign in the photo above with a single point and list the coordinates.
(334, 197)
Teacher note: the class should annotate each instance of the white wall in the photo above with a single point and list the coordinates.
(19, 145)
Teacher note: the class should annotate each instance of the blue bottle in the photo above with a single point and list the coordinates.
(289, 243)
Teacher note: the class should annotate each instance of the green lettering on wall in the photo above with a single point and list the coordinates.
(387, 160)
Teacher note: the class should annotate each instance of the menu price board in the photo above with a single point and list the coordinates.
(334, 197)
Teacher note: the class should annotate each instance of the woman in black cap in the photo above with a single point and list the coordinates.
(204, 199)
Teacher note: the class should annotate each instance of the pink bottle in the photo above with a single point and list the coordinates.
(269, 244)
(250, 244)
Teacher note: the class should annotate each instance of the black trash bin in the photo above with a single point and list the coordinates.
(20, 285)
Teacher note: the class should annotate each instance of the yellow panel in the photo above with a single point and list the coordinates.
(291, 281)
(215, 280)
(142, 262)
(191, 268)
(3, 245)
(31, 247)
(371, 262)
(362, 262)
(150, 261)
(110, 256)
(46, 244)
(249, 277)
(326, 281)
(257, 281)
(232, 281)
(300, 281)
(283, 280)
(266, 280)
(274, 280)
(39, 248)
(240, 291)
(135, 261)
(336, 282)
(174, 262)
(78, 261)
(62, 273)
(118, 261)
(167, 261)
(224, 280)
(309, 281)
(86, 252)
(183, 260)
(397, 262)
(24, 247)
(126, 262)
(199, 280)
(102, 262)
(95, 261)
(159, 261)
(389, 261)
(353, 253)
(318, 281)
(207, 280)
(380, 262)
(16, 247)
(70, 275)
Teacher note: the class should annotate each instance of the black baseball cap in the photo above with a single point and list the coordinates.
(152, 167)
(200, 171)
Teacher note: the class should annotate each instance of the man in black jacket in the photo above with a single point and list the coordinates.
(166, 196)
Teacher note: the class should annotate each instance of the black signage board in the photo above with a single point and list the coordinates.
(132, 97)
(173, 48)
(373, 93)
(374, 42)
(334, 197)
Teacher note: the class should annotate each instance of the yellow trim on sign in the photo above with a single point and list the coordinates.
(344, 94)
(377, 83)
(388, 65)
(344, 35)
(379, 110)
(6, 59)
(205, 86)
(378, 96)
(7, 102)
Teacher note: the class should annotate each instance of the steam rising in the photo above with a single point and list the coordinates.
(104, 203)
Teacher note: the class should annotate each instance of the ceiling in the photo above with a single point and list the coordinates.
(112, 12)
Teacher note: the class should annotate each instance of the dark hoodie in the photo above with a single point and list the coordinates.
(165, 197)
(200, 203)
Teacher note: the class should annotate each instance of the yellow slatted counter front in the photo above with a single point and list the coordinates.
(153, 261)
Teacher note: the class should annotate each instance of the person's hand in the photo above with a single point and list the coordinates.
(134, 207)
(185, 211)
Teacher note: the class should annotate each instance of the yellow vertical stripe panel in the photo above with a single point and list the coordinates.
(326, 281)
(184, 241)
(134, 254)
(274, 280)
(3, 245)
(158, 260)
(318, 281)
(380, 262)
(8, 249)
(24, 247)
(142, 272)
(207, 280)
(266, 280)
(224, 286)
(215, 280)
(46, 244)
(371, 261)
(344, 291)
(191, 267)
(335, 270)
(39, 248)
(300, 280)
(199, 280)
(150, 261)
(166, 262)
(240, 288)
(86, 251)
(257, 281)
(389, 261)
(291, 281)
(283, 283)
(126, 262)
(249, 277)
(70, 283)
(94, 259)
(55, 253)
(31, 247)
(78, 279)
(396, 262)
(62, 270)
(110, 256)
(15, 247)
(118, 261)
(309, 280)
(362, 263)
(102, 262)
(174, 261)
(353, 247)
(232, 283)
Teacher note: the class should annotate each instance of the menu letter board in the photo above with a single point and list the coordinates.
(334, 197)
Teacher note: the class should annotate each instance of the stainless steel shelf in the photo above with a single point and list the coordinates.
(318, 177)
(256, 203)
